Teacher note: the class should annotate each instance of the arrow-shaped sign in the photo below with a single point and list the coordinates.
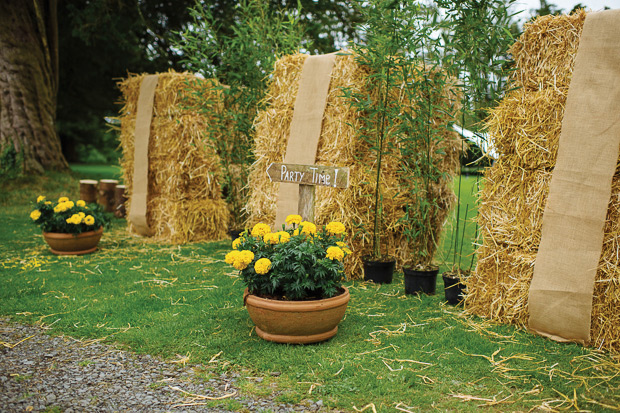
(332, 176)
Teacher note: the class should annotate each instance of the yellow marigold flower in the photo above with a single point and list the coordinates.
(48, 202)
(335, 228)
(243, 259)
(36, 214)
(62, 199)
(262, 266)
(308, 228)
(69, 204)
(80, 203)
(230, 257)
(335, 253)
(293, 219)
(270, 238)
(40, 198)
(74, 219)
(236, 242)
(260, 230)
(89, 220)
(344, 247)
(282, 237)
(62, 207)
(296, 232)
(81, 214)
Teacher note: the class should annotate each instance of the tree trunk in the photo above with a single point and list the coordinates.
(29, 83)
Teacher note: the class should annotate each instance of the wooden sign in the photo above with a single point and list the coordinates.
(332, 176)
(308, 177)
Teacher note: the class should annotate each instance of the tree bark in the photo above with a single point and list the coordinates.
(29, 83)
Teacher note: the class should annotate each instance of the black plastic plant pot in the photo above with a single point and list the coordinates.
(420, 281)
(379, 272)
(234, 233)
(453, 288)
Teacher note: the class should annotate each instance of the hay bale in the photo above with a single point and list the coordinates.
(525, 127)
(339, 145)
(184, 203)
(544, 54)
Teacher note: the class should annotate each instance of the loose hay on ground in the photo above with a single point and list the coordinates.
(339, 145)
(525, 128)
(184, 202)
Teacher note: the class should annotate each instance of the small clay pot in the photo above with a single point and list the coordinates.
(73, 244)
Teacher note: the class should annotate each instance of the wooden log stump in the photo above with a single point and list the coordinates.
(119, 201)
(88, 190)
(107, 199)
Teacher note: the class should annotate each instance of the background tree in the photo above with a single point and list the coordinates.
(28, 85)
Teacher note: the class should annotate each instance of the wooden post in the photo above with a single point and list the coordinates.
(88, 190)
(119, 201)
(106, 194)
(306, 202)
(308, 177)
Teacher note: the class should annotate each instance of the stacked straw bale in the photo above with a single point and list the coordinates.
(184, 202)
(525, 128)
(340, 145)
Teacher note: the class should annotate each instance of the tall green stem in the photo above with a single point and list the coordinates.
(380, 138)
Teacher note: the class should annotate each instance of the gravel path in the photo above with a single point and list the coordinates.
(39, 372)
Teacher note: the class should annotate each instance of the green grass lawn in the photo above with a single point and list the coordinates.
(394, 351)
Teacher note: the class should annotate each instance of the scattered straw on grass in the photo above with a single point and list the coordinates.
(339, 145)
(197, 399)
(525, 128)
(184, 203)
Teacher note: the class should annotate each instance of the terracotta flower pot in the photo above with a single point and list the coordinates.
(296, 322)
(72, 244)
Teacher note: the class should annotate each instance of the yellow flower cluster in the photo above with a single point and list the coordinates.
(64, 205)
(260, 230)
(293, 219)
(36, 214)
(335, 253)
(236, 242)
(62, 199)
(40, 198)
(77, 219)
(262, 266)
(308, 228)
(239, 259)
(80, 203)
(344, 247)
(335, 228)
(277, 237)
(89, 220)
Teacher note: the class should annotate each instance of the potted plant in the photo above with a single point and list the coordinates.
(69, 227)
(293, 278)
(477, 36)
(381, 56)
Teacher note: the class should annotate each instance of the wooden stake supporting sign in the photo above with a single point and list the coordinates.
(308, 177)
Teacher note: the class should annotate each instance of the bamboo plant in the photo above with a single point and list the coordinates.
(241, 62)
(383, 31)
(476, 36)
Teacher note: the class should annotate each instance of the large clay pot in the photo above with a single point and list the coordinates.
(296, 322)
(72, 244)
